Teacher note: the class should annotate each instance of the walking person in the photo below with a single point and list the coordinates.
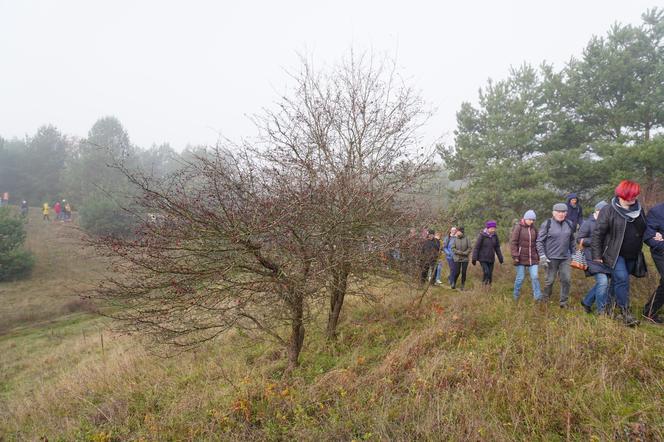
(598, 293)
(617, 242)
(487, 247)
(440, 259)
(428, 255)
(449, 255)
(653, 237)
(67, 211)
(46, 212)
(24, 209)
(523, 247)
(461, 250)
(57, 208)
(574, 211)
(555, 244)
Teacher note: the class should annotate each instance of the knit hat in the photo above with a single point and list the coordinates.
(491, 223)
(601, 205)
(560, 207)
(530, 214)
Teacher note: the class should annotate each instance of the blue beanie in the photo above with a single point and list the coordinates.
(530, 214)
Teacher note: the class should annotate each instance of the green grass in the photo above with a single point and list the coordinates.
(464, 366)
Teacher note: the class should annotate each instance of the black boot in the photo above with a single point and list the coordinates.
(627, 317)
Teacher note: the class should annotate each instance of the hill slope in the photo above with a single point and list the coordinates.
(464, 366)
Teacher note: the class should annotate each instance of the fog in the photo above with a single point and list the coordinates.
(186, 73)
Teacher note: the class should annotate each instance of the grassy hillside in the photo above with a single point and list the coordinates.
(464, 366)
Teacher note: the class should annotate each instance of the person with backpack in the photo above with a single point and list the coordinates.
(487, 247)
(555, 245)
(653, 236)
(617, 242)
(461, 250)
(523, 248)
(598, 293)
(574, 211)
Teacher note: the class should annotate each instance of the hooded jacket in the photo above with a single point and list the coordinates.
(574, 213)
(523, 244)
(487, 247)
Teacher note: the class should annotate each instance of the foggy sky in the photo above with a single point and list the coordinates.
(185, 72)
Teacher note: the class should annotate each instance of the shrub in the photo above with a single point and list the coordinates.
(104, 217)
(15, 263)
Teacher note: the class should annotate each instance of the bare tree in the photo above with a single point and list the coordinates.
(255, 236)
(355, 132)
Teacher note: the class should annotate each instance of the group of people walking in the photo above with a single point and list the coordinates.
(62, 211)
(606, 246)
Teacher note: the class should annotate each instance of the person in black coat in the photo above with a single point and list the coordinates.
(428, 257)
(653, 237)
(598, 293)
(487, 247)
(617, 242)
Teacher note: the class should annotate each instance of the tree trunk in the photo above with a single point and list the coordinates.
(296, 338)
(338, 293)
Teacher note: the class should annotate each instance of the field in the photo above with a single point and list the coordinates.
(470, 365)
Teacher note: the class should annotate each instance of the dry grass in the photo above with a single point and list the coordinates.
(464, 366)
(63, 269)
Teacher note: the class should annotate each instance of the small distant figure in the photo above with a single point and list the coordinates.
(5, 198)
(487, 247)
(67, 211)
(46, 210)
(24, 209)
(57, 208)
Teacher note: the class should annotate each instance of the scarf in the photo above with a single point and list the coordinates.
(629, 214)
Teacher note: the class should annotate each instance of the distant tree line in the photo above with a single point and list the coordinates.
(542, 132)
(50, 166)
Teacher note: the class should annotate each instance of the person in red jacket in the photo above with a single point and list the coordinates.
(523, 248)
(57, 208)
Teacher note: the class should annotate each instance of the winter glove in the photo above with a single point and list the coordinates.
(544, 261)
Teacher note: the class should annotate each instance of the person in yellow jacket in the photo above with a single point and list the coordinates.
(46, 212)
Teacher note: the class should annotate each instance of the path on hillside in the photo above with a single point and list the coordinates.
(63, 268)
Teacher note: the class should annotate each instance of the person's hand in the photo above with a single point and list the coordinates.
(658, 237)
(515, 261)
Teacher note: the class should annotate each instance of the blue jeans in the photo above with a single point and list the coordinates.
(598, 293)
(620, 280)
(521, 275)
(452, 265)
(439, 271)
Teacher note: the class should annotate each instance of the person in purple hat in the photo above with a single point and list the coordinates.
(487, 247)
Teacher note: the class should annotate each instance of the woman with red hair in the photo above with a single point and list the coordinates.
(617, 242)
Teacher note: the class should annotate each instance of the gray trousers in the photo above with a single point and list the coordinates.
(558, 266)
